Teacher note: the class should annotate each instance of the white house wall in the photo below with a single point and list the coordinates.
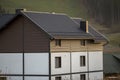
(64, 77)
(95, 60)
(37, 63)
(65, 63)
(76, 62)
(77, 76)
(96, 76)
(11, 63)
(36, 78)
(14, 77)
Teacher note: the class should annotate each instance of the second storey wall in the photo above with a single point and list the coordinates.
(74, 46)
(70, 52)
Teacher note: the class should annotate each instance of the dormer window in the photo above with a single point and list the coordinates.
(83, 42)
(58, 42)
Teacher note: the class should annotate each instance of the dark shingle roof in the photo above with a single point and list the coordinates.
(57, 25)
(98, 37)
(5, 18)
(111, 63)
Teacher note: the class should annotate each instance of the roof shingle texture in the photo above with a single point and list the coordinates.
(57, 25)
(96, 35)
(4, 19)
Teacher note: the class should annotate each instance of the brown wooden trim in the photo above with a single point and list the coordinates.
(23, 75)
(74, 51)
(21, 52)
(49, 62)
(50, 75)
(77, 73)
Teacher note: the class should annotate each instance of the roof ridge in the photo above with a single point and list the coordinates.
(45, 12)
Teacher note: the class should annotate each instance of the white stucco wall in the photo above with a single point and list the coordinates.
(11, 63)
(95, 60)
(36, 63)
(64, 77)
(77, 76)
(76, 62)
(65, 63)
(96, 76)
(36, 78)
(14, 77)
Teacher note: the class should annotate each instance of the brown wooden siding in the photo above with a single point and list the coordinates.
(12, 39)
(75, 46)
(35, 40)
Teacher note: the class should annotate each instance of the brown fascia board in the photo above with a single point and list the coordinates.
(101, 41)
(72, 38)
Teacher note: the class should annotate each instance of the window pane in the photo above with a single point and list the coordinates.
(11, 78)
(82, 77)
(82, 61)
(83, 42)
(58, 42)
(11, 63)
(57, 62)
(57, 78)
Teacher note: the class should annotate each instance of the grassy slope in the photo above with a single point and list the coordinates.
(73, 8)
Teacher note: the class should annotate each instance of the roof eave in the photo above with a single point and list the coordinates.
(4, 26)
(72, 38)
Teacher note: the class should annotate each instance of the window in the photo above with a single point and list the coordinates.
(3, 78)
(82, 61)
(82, 77)
(57, 62)
(83, 42)
(58, 42)
(58, 78)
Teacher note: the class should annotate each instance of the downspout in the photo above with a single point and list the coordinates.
(23, 53)
(70, 62)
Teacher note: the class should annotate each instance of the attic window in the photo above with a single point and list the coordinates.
(58, 42)
(83, 42)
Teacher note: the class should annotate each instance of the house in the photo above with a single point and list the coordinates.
(112, 66)
(46, 46)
